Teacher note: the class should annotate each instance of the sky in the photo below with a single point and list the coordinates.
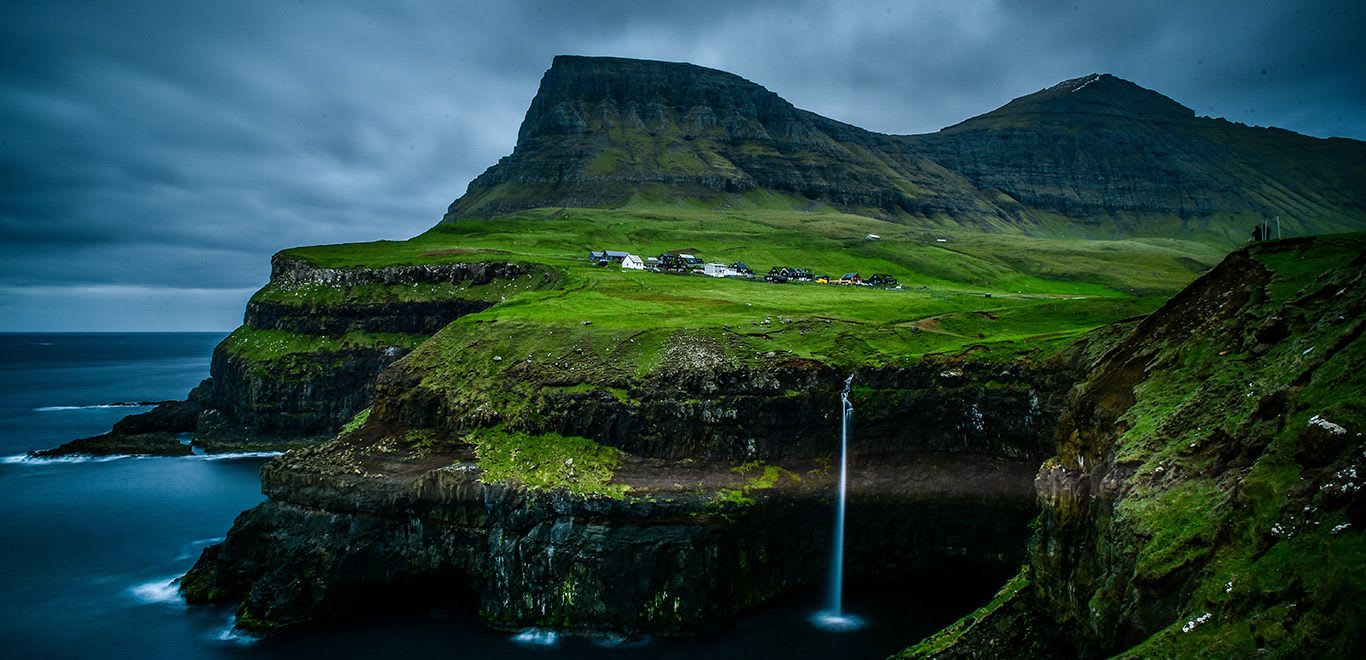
(153, 155)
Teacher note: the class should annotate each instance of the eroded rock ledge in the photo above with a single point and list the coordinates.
(350, 520)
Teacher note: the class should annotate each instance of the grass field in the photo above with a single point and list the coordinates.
(959, 290)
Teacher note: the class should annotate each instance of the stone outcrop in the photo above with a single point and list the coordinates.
(153, 433)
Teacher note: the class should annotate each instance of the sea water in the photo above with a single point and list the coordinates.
(90, 548)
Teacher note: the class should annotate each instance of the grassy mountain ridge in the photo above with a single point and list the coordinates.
(1096, 157)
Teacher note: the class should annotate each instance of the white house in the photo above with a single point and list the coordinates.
(632, 262)
(719, 270)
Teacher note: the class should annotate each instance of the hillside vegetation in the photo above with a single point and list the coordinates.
(1010, 292)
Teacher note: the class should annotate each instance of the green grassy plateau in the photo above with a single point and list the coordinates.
(1042, 290)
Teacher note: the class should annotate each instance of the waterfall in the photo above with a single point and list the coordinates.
(833, 616)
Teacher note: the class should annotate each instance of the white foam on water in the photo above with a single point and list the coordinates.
(833, 622)
(537, 637)
(25, 459)
(231, 634)
(166, 590)
(98, 406)
(233, 455)
(193, 548)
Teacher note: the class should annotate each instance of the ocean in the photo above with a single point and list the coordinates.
(89, 548)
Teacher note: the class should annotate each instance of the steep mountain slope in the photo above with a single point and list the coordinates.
(1207, 499)
(1095, 156)
(1101, 150)
(599, 128)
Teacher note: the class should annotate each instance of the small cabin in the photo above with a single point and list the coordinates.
(605, 257)
(632, 262)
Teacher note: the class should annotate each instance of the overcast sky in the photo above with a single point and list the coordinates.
(153, 155)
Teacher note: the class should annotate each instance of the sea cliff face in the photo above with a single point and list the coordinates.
(706, 526)
(304, 361)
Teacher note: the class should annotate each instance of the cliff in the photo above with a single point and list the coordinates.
(693, 504)
(305, 359)
(1206, 497)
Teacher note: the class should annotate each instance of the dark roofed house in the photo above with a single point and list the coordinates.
(850, 278)
(781, 274)
(670, 262)
(605, 257)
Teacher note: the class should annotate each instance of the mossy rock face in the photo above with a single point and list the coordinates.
(1209, 472)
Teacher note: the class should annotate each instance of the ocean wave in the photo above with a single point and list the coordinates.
(234, 635)
(99, 406)
(193, 548)
(166, 590)
(233, 456)
(537, 637)
(25, 459)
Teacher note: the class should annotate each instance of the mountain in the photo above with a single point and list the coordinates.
(1095, 156)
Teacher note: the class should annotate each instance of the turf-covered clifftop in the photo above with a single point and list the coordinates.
(1207, 499)
(305, 359)
(1096, 156)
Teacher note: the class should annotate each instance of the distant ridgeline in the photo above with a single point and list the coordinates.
(1095, 156)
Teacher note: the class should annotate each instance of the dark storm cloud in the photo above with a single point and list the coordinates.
(156, 151)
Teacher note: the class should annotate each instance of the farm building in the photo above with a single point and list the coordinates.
(604, 257)
(781, 274)
(632, 262)
(721, 270)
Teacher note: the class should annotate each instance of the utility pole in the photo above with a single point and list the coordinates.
(1278, 227)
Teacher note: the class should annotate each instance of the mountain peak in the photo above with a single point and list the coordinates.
(1094, 94)
(602, 131)
(579, 94)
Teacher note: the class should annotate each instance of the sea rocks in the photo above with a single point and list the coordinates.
(154, 443)
(153, 433)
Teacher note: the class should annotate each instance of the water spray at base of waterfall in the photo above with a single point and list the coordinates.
(833, 617)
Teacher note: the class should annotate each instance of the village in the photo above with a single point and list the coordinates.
(676, 263)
